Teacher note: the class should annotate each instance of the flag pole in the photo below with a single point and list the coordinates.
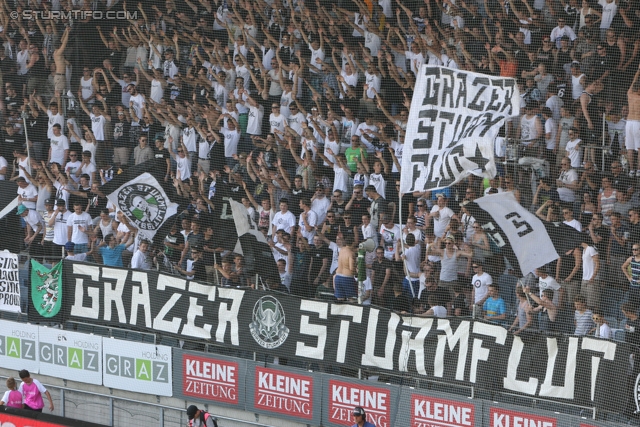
(404, 261)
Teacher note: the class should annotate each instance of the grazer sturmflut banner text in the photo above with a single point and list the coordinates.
(580, 370)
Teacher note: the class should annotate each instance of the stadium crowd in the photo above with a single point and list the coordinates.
(299, 111)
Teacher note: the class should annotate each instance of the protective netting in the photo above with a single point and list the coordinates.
(259, 146)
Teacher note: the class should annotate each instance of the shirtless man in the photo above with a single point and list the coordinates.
(59, 80)
(632, 129)
(344, 284)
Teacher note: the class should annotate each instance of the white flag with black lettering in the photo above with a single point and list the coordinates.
(454, 119)
(522, 237)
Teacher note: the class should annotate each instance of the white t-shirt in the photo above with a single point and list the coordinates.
(389, 239)
(573, 152)
(440, 223)
(76, 221)
(189, 138)
(72, 167)
(481, 285)
(54, 119)
(231, 139)
(138, 104)
(320, 206)
(254, 121)
(277, 122)
(97, 126)
(549, 283)
(3, 164)
(312, 220)
(284, 221)
(588, 264)
(183, 165)
(86, 87)
(157, 91)
(33, 218)
(29, 192)
(58, 146)
(140, 260)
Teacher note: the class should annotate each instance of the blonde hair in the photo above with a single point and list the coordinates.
(11, 383)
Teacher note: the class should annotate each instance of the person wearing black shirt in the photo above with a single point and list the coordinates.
(399, 302)
(443, 296)
(381, 269)
(81, 195)
(298, 192)
(162, 159)
(174, 244)
(11, 141)
(357, 206)
(195, 269)
(321, 257)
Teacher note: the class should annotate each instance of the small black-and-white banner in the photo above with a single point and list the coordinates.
(454, 119)
(509, 223)
(9, 282)
(143, 201)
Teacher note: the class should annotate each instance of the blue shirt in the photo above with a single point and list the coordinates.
(494, 307)
(112, 257)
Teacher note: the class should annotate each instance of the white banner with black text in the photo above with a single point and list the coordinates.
(454, 119)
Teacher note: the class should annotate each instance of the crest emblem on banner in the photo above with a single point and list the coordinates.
(46, 288)
(267, 327)
(144, 204)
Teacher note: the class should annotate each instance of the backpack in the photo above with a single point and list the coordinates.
(15, 399)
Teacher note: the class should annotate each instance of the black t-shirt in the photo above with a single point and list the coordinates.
(10, 143)
(73, 199)
(200, 272)
(317, 255)
(121, 132)
(399, 303)
(358, 208)
(96, 204)
(176, 239)
(294, 199)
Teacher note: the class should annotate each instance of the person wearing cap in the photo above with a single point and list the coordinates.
(34, 229)
(200, 418)
(69, 247)
(32, 390)
(196, 269)
(360, 417)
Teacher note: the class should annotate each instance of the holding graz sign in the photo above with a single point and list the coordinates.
(456, 116)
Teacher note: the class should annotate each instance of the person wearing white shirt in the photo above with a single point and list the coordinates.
(27, 193)
(609, 9)
(73, 165)
(3, 168)
(140, 259)
(441, 215)
(78, 224)
(59, 148)
(283, 220)
(365, 132)
(567, 215)
(169, 67)
(308, 220)
(296, 119)
(277, 121)
(98, 119)
(254, 119)
(561, 30)
(320, 203)
(231, 136)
